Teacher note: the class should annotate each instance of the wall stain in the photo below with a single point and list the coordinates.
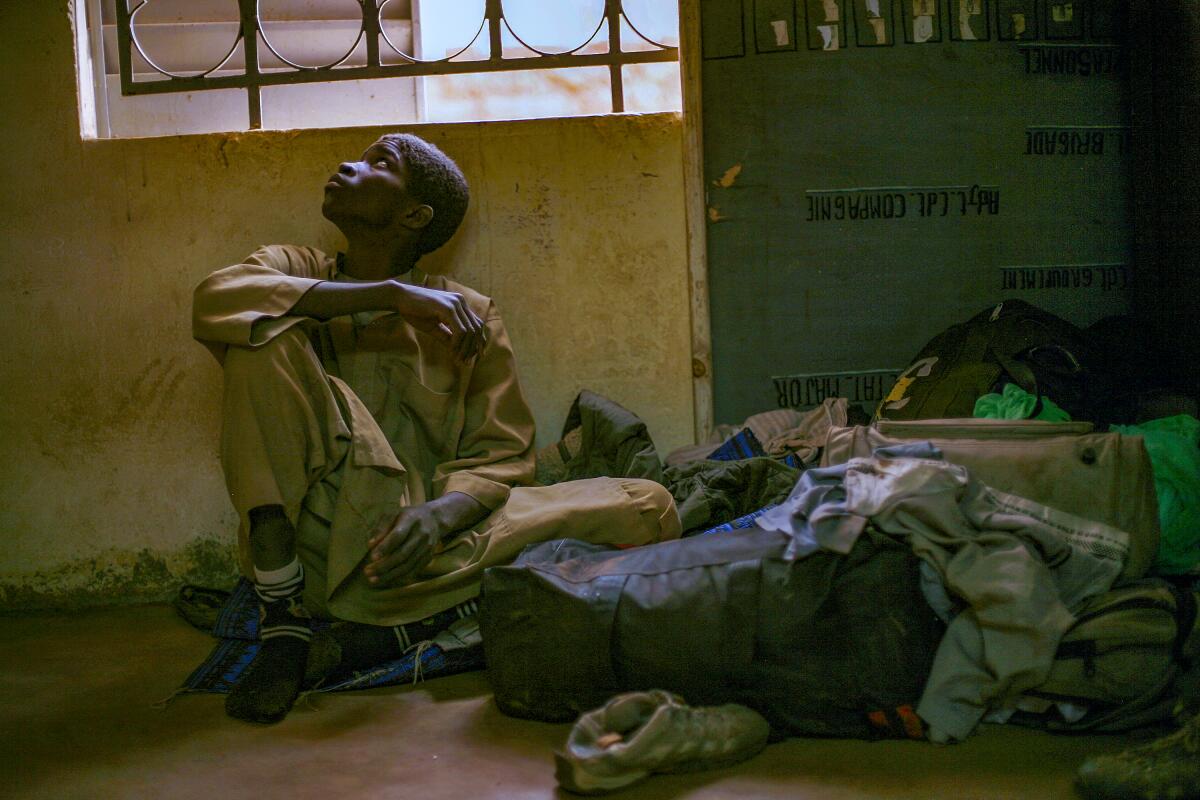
(85, 416)
(149, 393)
(535, 219)
(118, 577)
(49, 450)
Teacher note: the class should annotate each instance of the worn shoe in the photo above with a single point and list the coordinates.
(639, 733)
(1165, 769)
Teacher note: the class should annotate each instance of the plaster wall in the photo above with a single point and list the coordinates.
(108, 426)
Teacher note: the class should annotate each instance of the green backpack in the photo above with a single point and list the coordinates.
(1126, 658)
(1011, 342)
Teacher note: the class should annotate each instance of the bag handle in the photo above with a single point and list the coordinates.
(979, 428)
(1185, 617)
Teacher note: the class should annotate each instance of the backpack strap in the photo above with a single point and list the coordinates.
(1185, 618)
(1085, 649)
(1019, 372)
(1007, 344)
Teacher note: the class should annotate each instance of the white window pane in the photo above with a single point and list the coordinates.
(310, 42)
(185, 49)
(513, 48)
(381, 101)
(652, 87)
(170, 114)
(556, 27)
(168, 11)
(447, 27)
(656, 20)
(518, 95)
(282, 10)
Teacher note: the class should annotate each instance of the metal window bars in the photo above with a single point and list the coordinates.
(250, 36)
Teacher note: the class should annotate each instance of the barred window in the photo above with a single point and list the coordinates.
(162, 67)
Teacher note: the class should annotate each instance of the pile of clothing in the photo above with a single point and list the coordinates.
(865, 581)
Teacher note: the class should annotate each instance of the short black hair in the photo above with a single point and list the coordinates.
(435, 180)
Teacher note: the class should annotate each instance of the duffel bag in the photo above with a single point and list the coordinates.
(828, 645)
(1104, 477)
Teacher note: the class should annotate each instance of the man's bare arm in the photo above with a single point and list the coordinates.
(330, 299)
(444, 314)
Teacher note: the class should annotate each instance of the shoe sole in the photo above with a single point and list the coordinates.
(572, 777)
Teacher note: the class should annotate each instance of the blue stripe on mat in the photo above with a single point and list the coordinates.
(741, 523)
(237, 632)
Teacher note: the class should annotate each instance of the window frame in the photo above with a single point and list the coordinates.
(253, 78)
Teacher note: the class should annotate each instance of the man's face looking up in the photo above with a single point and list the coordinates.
(371, 191)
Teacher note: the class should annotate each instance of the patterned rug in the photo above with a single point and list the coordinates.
(236, 629)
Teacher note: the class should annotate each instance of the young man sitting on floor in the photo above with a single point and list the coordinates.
(374, 430)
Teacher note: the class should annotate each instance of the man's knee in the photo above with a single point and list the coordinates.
(656, 506)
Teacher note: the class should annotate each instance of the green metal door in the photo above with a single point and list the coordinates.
(877, 170)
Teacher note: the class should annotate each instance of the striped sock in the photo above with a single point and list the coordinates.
(280, 592)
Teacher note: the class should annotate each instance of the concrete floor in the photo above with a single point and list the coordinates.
(76, 722)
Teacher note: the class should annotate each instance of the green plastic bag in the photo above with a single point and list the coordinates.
(1174, 447)
(1016, 403)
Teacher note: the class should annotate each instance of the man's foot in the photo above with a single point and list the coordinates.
(267, 690)
(348, 647)
(1165, 769)
(269, 687)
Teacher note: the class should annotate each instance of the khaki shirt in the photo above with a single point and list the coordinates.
(452, 427)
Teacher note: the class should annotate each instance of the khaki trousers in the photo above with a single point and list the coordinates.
(299, 437)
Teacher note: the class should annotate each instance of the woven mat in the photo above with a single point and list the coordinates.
(236, 629)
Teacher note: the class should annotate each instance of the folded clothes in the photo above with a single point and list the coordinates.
(793, 436)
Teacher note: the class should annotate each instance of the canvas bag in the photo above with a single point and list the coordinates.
(1104, 477)
(1122, 656)
(821, 646)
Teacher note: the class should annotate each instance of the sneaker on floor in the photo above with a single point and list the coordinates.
(639, 733)
(1165, 769)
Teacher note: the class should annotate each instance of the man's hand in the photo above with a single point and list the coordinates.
(443, 314)
(397, 555)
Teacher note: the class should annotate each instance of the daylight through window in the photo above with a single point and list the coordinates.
(160, 67)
